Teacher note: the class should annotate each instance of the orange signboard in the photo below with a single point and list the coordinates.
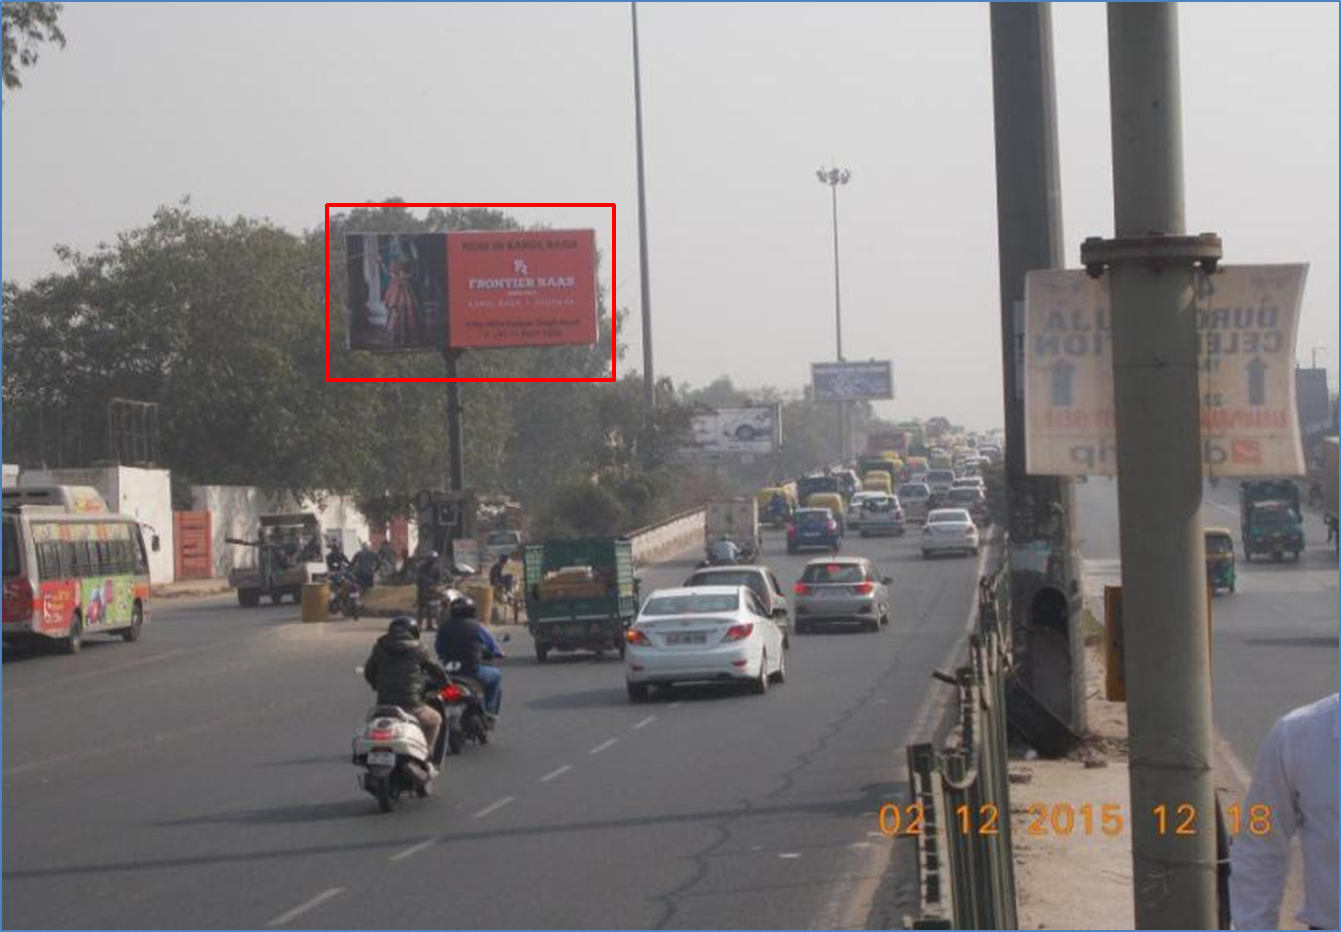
(521, 288)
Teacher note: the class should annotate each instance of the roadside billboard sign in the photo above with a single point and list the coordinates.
(852, 381)
(752, 429)
(1246, 318)
(521, 288)
(397, 291)
(1315, 402)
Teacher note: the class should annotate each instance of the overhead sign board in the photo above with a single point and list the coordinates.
(397, 291)
(522, 288)
(1246, 318)
(754, 429)
(852, 381)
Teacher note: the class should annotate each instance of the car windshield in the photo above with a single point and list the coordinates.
(698, 604)
(941, 475)
(949, 516)
(1219, 544)
(1273, 517)
(959, 496)
(812, 517)
(833, 573)
(728, 579)
(879, 504)
(912, 491)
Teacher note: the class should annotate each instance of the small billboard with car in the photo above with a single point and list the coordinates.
(753, 429)
(852, 381)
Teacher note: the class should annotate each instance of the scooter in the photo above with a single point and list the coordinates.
(465, 715)
(346, 596)
(394, 757)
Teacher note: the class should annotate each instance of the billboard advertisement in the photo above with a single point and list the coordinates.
(753, 429)
(1246, 320)
(397, 291)
(521, 288)
(1315, 402)
(852, 381)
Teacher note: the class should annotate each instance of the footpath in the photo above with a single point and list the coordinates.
(1073, 870)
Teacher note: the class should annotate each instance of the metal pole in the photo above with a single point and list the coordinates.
(837, 289)
(1029, 231)
(649, 380)
(456, 451)
(1158, 412)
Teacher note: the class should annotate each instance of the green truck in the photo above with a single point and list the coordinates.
(1271, 520)
(580, 595)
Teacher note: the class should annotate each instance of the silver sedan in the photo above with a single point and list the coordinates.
(842, 590)
(949, 530)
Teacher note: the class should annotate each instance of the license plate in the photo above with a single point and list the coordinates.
(381, 759)
(678, 639)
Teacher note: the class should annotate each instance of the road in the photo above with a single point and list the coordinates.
(200, 778)
(1274, 641)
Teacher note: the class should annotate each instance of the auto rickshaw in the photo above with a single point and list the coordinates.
(1219, 559)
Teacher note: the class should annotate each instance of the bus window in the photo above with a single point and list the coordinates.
(141, 558)
(11, 550)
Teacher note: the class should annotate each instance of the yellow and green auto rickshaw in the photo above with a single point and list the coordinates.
(1219, 559)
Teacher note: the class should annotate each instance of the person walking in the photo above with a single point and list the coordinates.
(1293, 792)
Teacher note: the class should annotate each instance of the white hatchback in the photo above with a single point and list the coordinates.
(703, 634)
(949, 530)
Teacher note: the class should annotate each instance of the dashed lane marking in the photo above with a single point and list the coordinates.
(556, 772)
(323, 896)
(494, 807)
(609, 742)
(415, 849)
(645, 722)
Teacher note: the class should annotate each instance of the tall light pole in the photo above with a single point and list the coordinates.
(834, 177)
(649, 382)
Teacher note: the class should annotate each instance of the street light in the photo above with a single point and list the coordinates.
(833, 177)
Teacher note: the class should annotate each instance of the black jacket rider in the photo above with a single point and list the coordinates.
(401, 669)
(459, 639)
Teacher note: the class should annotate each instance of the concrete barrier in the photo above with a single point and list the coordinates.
(665, 538)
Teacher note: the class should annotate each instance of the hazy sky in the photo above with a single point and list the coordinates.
(272, 110)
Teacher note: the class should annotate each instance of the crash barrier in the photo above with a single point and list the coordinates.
(965, 860)
(664, 538)
(675, 533)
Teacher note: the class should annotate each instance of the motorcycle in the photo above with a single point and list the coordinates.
(346, 595)
(445, 593)
(465, 717)
(395, 757)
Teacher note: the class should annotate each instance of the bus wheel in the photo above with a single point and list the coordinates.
(71, 643)
(136, 623)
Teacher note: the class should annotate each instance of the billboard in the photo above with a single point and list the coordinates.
(852, 381)
(1246, 319)
(397, 291)
(751, 429)
(522, 288)
(1315, 402)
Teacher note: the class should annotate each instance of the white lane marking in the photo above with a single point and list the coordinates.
(610, 742)
(860, 844)
(494, 807)
(415, 849)
(323, 896)
(645, 722)
(557, 772)
(674, 705)
(93, 674)
(789, 856)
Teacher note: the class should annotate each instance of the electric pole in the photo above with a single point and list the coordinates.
(1157, 401)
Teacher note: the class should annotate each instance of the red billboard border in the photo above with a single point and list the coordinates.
(614, 337)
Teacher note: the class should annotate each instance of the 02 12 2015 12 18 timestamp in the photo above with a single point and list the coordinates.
(1066, 819)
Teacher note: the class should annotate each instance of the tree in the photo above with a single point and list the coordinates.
(25, 27)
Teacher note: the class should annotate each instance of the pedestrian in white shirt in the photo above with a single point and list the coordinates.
(1296, 777)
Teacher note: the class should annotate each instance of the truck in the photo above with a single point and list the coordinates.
(1271, 518)
(288, 556)
(736, 520)
(581, 594)
(896, 441)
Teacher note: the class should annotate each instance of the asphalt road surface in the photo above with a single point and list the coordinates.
(1274, 641)
(201, 778)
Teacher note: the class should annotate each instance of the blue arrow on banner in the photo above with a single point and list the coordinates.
(1256, 381)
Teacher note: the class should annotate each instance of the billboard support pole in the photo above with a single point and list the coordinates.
(1157, 403)
(456, 453)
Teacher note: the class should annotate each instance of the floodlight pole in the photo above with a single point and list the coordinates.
(456, 448)
(645, 277)
(833, 177)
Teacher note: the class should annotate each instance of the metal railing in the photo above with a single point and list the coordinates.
(965, 858)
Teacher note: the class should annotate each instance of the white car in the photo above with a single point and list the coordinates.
(882, 515)
(914, 496)
(970, 482)
(703, 634)
(854, 509)
(949, 530)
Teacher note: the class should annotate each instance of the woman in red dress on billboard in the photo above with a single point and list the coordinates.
(402, 324)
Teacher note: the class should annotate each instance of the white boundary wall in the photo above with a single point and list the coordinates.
(667, 538)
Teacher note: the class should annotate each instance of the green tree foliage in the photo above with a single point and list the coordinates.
(25, 27)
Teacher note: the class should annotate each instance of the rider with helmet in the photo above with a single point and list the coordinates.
(401, 669)
(463, 640)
